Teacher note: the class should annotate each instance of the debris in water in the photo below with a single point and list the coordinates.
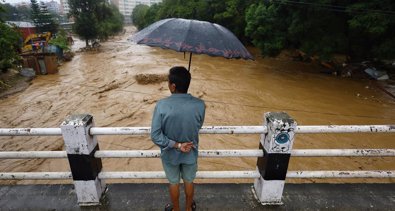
(150, 78)
(376, 74)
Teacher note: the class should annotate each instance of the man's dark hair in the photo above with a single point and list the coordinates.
(181, 77)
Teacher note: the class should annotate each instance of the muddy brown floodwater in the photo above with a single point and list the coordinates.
(236, 92)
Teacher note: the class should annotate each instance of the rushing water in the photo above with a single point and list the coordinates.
(236, 92)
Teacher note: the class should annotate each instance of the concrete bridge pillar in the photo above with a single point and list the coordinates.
(80, 148)
(276, 145)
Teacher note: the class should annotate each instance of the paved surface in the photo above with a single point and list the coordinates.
(208, 197)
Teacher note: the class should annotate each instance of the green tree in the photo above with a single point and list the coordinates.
(95, 19)
(16, 13)
(362, 30)
(138, 16)
(9, 44)
(42, 19)
(48, 23)
(266, 27)
(231, 14)
(86, 24)
(318, 31)
(228, 13)
(372, 29)
(61, 40)
(110, 20)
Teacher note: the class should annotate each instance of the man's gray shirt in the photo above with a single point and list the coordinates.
(177, 118)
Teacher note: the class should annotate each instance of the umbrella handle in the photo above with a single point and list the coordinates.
(190, 59)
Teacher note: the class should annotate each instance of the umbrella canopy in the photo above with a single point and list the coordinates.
(199, 37)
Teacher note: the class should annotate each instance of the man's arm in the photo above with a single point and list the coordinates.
(157, 135)
(203, 114)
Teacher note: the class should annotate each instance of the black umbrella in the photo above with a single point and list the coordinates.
(200, 37)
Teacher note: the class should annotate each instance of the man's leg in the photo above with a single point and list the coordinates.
(188, 172)
(189, 191)
(173, 175)
(175, 195)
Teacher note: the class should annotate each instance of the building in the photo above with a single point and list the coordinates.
(26, 28)
(126, 6)
(53, 6)
(64, 7)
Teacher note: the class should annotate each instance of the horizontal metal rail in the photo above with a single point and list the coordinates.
(35, 175)
(200, 175)
(346, 129)
(343, 153)
(205, 153)
(204, 130)
(30, 132)
(156, 153)
(161, 175)
(32, 154)
(341, 174)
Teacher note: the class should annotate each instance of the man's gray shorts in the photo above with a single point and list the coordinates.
(174, 172)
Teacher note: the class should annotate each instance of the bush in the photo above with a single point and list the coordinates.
(10, 43)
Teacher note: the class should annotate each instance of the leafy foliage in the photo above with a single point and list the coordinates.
(43, 20)
(110, 20)
(95, 19)
(265, 28)
(228, 13)
(60, 40)
(138, 16)
(9, 44)
(11, 13)
(360, 29)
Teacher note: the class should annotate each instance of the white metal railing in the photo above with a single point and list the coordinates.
(205, 153)
(77, 132)
(202, 153)
(200, 175)
(204, 130)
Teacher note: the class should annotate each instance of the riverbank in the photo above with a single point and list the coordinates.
(12, 82)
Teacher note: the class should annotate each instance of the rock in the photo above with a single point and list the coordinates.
(376, 74)
(28, 72)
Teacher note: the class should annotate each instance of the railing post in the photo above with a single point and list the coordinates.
(276, 145)
(80, 148)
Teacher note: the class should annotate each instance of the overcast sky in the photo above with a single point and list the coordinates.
(17, 1)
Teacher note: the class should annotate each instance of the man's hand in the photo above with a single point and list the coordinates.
(186, 146)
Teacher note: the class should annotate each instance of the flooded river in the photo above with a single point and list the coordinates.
(236, 92)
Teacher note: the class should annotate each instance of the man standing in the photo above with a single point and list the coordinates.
(175, 129)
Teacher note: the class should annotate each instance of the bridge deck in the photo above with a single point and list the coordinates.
(208, 197)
